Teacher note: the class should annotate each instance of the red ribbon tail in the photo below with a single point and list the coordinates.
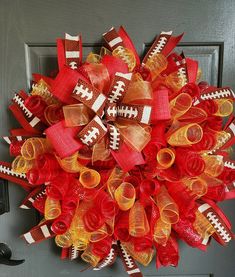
(127, 158)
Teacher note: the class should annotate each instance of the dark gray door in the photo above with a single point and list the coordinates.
(28, 30)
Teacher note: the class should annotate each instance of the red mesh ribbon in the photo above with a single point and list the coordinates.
(110, 259)
(189, 163)
(209, 106)
(167, 255)
(121, 227)
(37, 106)
(158, 134)
(183, 197)
(217, 192)
(105, 204)
(127, 158)
(62, 223)
(22, 132)
(113, 65)
(93, 219)
(161, 108)
(192, 69)
(63, 139)
(56, 190)
(185, 230)
(37, 177)
(64, 83)
(15, 148)
(191, 88)
(48, 162)
(71, 198)
(207, 142)
(102, 248)
(142, 243)
(148, 188)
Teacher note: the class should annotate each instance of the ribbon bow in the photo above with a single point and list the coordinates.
(108, 109)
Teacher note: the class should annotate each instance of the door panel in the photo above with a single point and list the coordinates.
(42, 58)
(28, 32)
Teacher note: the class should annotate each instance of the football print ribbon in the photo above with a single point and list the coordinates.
(39, 233)
(108, 109)
(110, 259)
(69, 51)
(129, 263)
(70, 253)
(34, 195)
(213, 93)
(7, 173)
(218, 220)
(163, 44)
(24, 116)
(113, 39)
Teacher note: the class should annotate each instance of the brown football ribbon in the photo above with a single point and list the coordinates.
(73, 50)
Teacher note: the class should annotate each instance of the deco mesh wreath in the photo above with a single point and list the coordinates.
(123, 157)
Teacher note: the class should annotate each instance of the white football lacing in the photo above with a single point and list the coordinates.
(84, 92)
(128, 259)
(91, 135)
(112, 111)
(229, 164)
(108, 260)
(40, 194)
(121, 52)
(221, 141)
(159, 46)
(223, 93)
(128, 112)
(73, 65)
(117, 91)
(182, 74)
(7, 170)
(18, 100)
(114, 138)
(74, 252)
(218, 227)
(230, 187)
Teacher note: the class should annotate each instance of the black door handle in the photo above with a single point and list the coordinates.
(5, 256)
(4, 197)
